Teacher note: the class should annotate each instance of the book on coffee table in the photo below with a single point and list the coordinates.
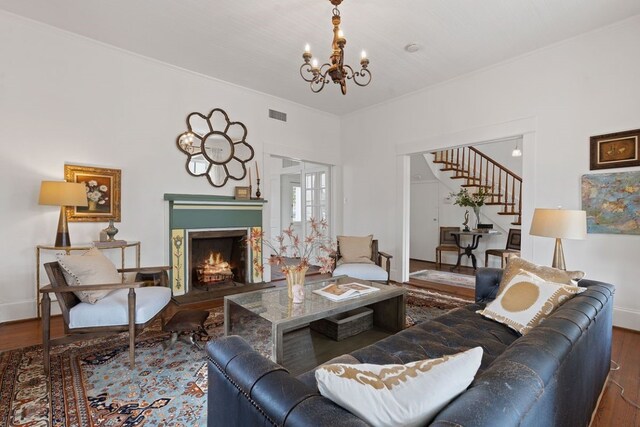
(336, 292)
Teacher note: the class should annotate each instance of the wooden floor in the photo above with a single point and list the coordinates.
(612, 410)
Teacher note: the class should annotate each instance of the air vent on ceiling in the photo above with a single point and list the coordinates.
(278, 115)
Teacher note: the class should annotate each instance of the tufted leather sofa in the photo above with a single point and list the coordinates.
(553, 376)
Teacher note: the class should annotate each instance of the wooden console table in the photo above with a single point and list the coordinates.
(468, 250)
(68, 249)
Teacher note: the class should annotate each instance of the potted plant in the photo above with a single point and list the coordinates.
(294, 255)
(474, 201)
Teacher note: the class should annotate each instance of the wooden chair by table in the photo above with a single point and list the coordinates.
(371, 270)
(123, 309)
(447, 243)
(512, 248)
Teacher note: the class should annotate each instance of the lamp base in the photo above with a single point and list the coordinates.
(62, 235)
(558, 256)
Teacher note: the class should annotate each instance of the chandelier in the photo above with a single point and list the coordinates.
(336, 71)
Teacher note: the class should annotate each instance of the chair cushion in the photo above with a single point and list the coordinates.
(112, 310)
(362, 271)
(89, 268)
(354, 249)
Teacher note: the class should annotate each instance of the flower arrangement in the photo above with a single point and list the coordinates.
(293, 254)
(475, 200)
(97, 193)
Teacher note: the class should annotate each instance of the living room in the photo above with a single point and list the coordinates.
(68, 96)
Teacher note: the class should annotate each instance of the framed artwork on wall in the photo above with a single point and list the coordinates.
(103, 193)
(242, 193)
(611, 202)
(615, 150)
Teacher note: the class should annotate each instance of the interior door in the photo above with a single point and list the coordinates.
(425, 228)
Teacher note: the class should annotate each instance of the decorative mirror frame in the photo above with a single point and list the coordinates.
(187, 142)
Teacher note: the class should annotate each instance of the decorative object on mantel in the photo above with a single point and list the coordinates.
(615, 150)
(63, 194)
(215, 147)
(336, 71)
(258, 194)
(102, 193)
(242, 193)
(474, 201)
(611, 202)
(294, 254)
(559, 224)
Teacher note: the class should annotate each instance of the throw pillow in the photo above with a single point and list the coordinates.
(548, 274)
(89, 268)
(527, 300)
(354, 249)
(399, 395)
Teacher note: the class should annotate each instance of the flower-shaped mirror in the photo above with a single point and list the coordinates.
(215, 147)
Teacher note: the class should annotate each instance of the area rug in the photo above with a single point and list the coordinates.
(445, 278)
(91, 384)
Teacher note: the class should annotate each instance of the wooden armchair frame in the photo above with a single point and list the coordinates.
(67, 299)
(376, 257)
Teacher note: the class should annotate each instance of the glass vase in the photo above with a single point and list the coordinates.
(295, 277)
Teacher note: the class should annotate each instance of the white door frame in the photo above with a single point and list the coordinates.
(526, 128)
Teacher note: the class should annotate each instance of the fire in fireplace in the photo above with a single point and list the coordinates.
(217, 258)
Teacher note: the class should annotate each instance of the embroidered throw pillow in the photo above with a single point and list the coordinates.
(90, 268)
(527, 300)
(548, 274)
(399, 395)
(355, 249)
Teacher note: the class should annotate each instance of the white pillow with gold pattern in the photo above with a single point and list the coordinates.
(399, 395)
(527, 300)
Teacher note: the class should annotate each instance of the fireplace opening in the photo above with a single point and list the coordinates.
(217, 259)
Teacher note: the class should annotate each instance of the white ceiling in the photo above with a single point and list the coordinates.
(258, 43)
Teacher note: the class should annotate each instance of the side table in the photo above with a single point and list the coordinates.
(85, 247)
(468, 250)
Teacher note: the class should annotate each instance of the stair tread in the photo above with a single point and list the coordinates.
(509, 213)
(500, 203)
(449, 169)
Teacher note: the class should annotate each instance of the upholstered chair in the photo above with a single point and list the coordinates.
(447, 243)
(359, 257)
(512, 248)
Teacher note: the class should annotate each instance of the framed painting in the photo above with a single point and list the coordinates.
(103, 193)
(242, 193)
(615, 150)
(612, 202)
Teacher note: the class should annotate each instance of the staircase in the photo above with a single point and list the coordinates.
(480, 171)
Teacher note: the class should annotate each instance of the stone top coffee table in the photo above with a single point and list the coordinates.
(293, 344)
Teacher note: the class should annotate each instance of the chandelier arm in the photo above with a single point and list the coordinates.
(364, 73)
(317, 85)
(307, 70)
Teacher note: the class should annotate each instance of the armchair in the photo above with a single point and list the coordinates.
(370, 268)
(128, 307)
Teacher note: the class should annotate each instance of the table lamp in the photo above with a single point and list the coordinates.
(63, 194)
(559, 224)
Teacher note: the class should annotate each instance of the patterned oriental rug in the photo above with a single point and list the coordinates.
(92, 385)
(445, 278)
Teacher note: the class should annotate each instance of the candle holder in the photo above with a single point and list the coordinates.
(258, 188)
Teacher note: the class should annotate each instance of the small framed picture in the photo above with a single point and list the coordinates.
(615, 150)
(103, 193)
(243, 193)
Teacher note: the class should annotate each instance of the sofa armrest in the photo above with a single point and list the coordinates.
(487, 283)
(245, 388)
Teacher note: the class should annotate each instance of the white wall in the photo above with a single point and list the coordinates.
(585, 86)
(67, 99)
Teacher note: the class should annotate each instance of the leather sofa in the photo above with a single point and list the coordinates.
(552, 376)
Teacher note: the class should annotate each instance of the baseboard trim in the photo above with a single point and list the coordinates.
(626, 318)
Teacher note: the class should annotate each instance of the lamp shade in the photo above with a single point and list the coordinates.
(559, 223)
(62, 193)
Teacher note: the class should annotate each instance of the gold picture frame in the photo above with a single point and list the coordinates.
(615, 150)
(103, 193)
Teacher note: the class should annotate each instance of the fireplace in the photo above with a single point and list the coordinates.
(209, 258)
(217, 258)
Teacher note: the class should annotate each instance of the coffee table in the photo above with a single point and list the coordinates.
(293, 344)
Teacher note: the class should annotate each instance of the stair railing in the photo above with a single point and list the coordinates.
(479, 170)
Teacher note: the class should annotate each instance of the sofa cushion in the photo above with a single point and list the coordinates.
(527, 300)
(355, 249)
(362, 271)
(113, 309)
(549, 274)
(89, 268)
(391, 395)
